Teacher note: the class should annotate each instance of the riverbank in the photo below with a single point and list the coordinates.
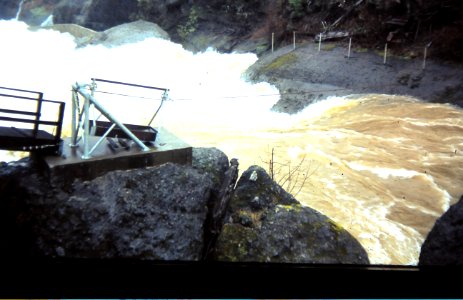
(305, 75)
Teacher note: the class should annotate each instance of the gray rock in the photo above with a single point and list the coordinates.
(211, 162)
(444, 243)
(22, 189)
(131, 33)
(154, 213)
(256, 190)
(95, 14)
(266, 224)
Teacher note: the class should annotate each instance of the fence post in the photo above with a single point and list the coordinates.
(319, 42)
(294, 39)
(385, 54)
(38, 114)
(350, 44)
(86, 128)
(75, 124)
(59, 128)
(273, 40)
(424, 58)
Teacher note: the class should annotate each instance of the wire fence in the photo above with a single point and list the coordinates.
(295, 93)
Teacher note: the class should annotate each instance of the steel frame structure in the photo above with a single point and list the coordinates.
(81, 118)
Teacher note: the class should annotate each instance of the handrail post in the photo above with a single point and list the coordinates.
(74, 118)
(37, 116)
(86, 127)
(59, 128)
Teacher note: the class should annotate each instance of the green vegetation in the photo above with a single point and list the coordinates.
(296, 7)
(336, 226)
(280, 62)
(39, 11)
(235, 242)
(262, 48)
(328, 46)
(293, 207)
(361, 50)
(190, 26)
(391, 54)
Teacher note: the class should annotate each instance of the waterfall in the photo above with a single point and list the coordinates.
(19, 10)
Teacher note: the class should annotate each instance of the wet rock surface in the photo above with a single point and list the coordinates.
(127, 33)
(212, 162)
(444, 243)
(131, 33)
(156, 213)
(305, 76)
(164, 213)
(266, 224)
(95, 14)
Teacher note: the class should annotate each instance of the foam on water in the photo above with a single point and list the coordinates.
(205, 88)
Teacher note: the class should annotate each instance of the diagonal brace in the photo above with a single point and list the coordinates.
(110, 117)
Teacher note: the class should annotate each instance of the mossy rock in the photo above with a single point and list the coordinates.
(260, 49)
(257, 191)
(266, 224)
(236, 243)
(280, 62)
(290, 234)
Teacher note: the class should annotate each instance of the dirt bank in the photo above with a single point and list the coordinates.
(305, 75)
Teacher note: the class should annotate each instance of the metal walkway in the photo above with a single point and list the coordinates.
(21, 126)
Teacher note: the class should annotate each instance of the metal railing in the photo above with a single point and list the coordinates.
(5, 114)
(81, 117)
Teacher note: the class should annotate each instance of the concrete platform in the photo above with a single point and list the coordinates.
(70, 165)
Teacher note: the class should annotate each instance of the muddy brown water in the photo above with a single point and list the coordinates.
(384, 167)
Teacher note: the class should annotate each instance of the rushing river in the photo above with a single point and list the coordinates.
(384, 167)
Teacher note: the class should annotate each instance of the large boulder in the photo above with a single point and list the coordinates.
(127, 33)
(211, 162)
(444, 243)
(131, 33)
(21, 186)
(155, 213)
(266, 224)
(198, 25)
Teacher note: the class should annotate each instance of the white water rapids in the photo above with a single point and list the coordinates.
(384, 167)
